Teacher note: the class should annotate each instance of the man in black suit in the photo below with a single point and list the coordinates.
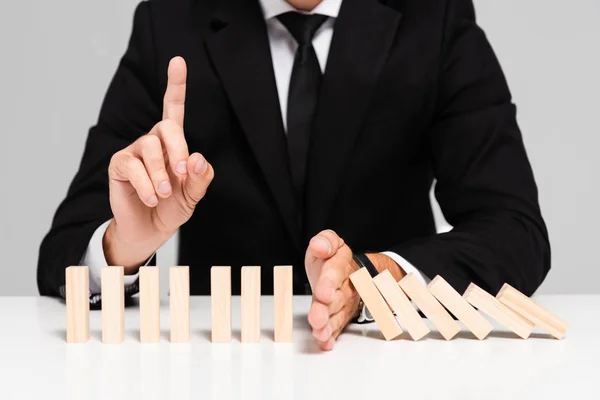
(312, 133)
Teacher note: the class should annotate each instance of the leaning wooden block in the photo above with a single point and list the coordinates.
(149, 305)
(220, 299)
(250, 307)
(179, 294)
(113, 305)
(458, 306)
(432, 309)
(489, 305)
(282, 297)
(77, 292)
(398, 301)
(377, 306)
(532, 311)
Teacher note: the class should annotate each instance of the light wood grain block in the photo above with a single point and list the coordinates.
(430, 307)
(250, 307)
(532, 311)
(179, 295)
(491, 306)
(283, 292)
(397, 300)
(383, 316)
(113, 305)
(77, 292)
(458, 306)
(149, 305)
(220, 300)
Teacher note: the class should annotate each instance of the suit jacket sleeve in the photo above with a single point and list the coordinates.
(130, 109)
(485, 185)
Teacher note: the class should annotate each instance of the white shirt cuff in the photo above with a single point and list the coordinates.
(95, 260)
(407, 267)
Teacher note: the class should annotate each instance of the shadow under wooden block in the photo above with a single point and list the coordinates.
(491, 306)
(397, 300)
(458, 306)
(430, 307)
(383, 316)
(532, 311)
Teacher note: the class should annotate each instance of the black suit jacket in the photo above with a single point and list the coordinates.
(412, 91)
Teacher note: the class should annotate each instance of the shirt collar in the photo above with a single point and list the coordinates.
(273, 8)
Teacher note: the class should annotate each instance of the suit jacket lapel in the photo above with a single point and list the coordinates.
(239, 49)
(364, 32)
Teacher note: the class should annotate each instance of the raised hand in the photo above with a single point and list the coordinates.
(154, 183)
(329, 263)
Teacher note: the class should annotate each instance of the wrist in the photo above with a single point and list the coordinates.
(383, 262)
(130, 255)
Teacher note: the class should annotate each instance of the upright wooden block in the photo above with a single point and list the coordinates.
(491, 306)
(384, 318)
(432, 309)
(149, 305)
(250, 304)
(113, 305)
(532, 311)
(398, 301)
(458, 306)
(179, 295)
(220, 298)
(283, 291)
(77, 292)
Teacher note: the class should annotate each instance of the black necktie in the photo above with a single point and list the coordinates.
(302, 96)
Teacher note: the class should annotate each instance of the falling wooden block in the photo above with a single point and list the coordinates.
(532, 311)
(458, 306)
(250, 304)
(113, 305)
(385, 320)
(397, 300)
(220, 298)
(77, 292)
(432, 309)
(282, 297)
(179, 294)
(149, 305)
(491, 306)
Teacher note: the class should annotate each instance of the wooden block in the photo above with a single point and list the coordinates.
(458, 306)
(220, 298)
(113, 305)
(149, 305)
(398, 301)
(283, 292)
(179, 294)
(250, 304)
(532, 311)
(77, 292)
(383, 316)
(432, 309)
(491, 306)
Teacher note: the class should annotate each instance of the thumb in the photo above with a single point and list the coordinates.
(200, 175)
(325, 245)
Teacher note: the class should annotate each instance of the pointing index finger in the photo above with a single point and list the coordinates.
(174, 100)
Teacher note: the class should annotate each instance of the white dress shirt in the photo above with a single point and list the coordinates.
(283, 49)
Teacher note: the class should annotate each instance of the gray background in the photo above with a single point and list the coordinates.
(58, 57)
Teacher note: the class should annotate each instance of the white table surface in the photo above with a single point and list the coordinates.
(36, 362)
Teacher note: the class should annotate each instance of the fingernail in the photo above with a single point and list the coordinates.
(322, 244)
(153, 200)
(201, 166)
(164, 187)
(181, 168)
